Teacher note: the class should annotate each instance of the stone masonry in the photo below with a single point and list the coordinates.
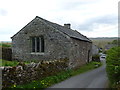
(59, 43)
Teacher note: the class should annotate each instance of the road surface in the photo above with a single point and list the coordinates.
(96, 78)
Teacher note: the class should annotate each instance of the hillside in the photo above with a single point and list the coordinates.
(102, 41)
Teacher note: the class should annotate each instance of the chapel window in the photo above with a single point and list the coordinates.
(37, 44)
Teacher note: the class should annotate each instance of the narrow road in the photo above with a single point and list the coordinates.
(96, 78)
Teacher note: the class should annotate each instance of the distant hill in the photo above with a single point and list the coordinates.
(102, 41)
(5, 41)
(104, 38)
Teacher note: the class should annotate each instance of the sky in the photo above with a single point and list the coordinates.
(92, 18)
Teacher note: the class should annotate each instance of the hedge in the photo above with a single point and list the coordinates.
(96, 58)
(113, 66)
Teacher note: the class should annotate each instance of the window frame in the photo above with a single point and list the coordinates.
(38, 45)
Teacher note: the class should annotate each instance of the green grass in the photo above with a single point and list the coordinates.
(0, 62)
(51, 80)
(10, 63)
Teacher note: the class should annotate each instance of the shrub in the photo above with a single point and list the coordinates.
(113, 66)
(96, 58)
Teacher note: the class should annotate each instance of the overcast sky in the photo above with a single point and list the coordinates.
(93, 18)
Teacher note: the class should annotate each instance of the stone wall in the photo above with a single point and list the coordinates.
(80, 53)
(56, 43)
(95, 50)
(22, 73)
(6, 53)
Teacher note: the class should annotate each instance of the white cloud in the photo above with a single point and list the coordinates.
(15, 14)
(103, 31)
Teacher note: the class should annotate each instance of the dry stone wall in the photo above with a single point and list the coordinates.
(6, 53)
(22, 73)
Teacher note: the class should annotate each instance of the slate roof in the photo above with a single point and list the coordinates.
(71, 33)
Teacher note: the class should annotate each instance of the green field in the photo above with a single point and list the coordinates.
(5, 44)
(102, 41)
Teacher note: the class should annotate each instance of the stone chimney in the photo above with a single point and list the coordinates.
(67, 25)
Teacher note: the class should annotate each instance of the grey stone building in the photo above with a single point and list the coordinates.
(95, 50)
(43, 40)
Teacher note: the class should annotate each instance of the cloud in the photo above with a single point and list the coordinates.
(74, 4)
(93, 23)
(5, 37)
(3, 12)
(84, 15)
(103, 31)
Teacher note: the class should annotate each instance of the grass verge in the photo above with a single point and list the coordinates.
(10, 63)
(51, 80)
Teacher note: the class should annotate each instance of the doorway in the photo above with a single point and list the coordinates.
(88, 56)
